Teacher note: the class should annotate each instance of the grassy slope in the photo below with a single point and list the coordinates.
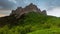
(51, 25)
(33, 23)
(46, 31)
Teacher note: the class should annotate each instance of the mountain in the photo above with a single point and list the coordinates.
(20, 13)
(30, 8)
(29, 20)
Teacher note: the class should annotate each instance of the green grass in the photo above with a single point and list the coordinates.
(31, 23)
(46, 31)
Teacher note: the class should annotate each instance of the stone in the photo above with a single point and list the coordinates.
(31, 7)
(44, 12)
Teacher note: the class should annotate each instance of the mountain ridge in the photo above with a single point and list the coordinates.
(28, 23)
(30, 8)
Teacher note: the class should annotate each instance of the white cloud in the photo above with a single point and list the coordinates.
(54, 12)
(13, 1)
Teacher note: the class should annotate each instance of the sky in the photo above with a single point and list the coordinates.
(51, 6)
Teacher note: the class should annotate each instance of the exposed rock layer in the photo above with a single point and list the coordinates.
(20, 11)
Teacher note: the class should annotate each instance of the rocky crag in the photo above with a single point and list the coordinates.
(30, 8)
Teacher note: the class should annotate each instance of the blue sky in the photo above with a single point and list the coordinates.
(52, 6)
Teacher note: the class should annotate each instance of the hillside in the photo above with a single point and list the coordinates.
(25, 21)
(32, 22)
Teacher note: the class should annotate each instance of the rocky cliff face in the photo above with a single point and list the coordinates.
(44, 12)
(20, 11)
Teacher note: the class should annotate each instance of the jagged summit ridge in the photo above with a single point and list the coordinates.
(31, 7)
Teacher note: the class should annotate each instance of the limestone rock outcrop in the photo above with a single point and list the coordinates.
(44, 12)
(31, 7)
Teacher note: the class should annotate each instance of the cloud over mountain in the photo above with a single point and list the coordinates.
(54, 11)
(42, 4)
(7, 4)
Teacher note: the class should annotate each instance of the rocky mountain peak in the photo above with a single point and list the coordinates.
(31, 7)
(31, 4)
(44, 12)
